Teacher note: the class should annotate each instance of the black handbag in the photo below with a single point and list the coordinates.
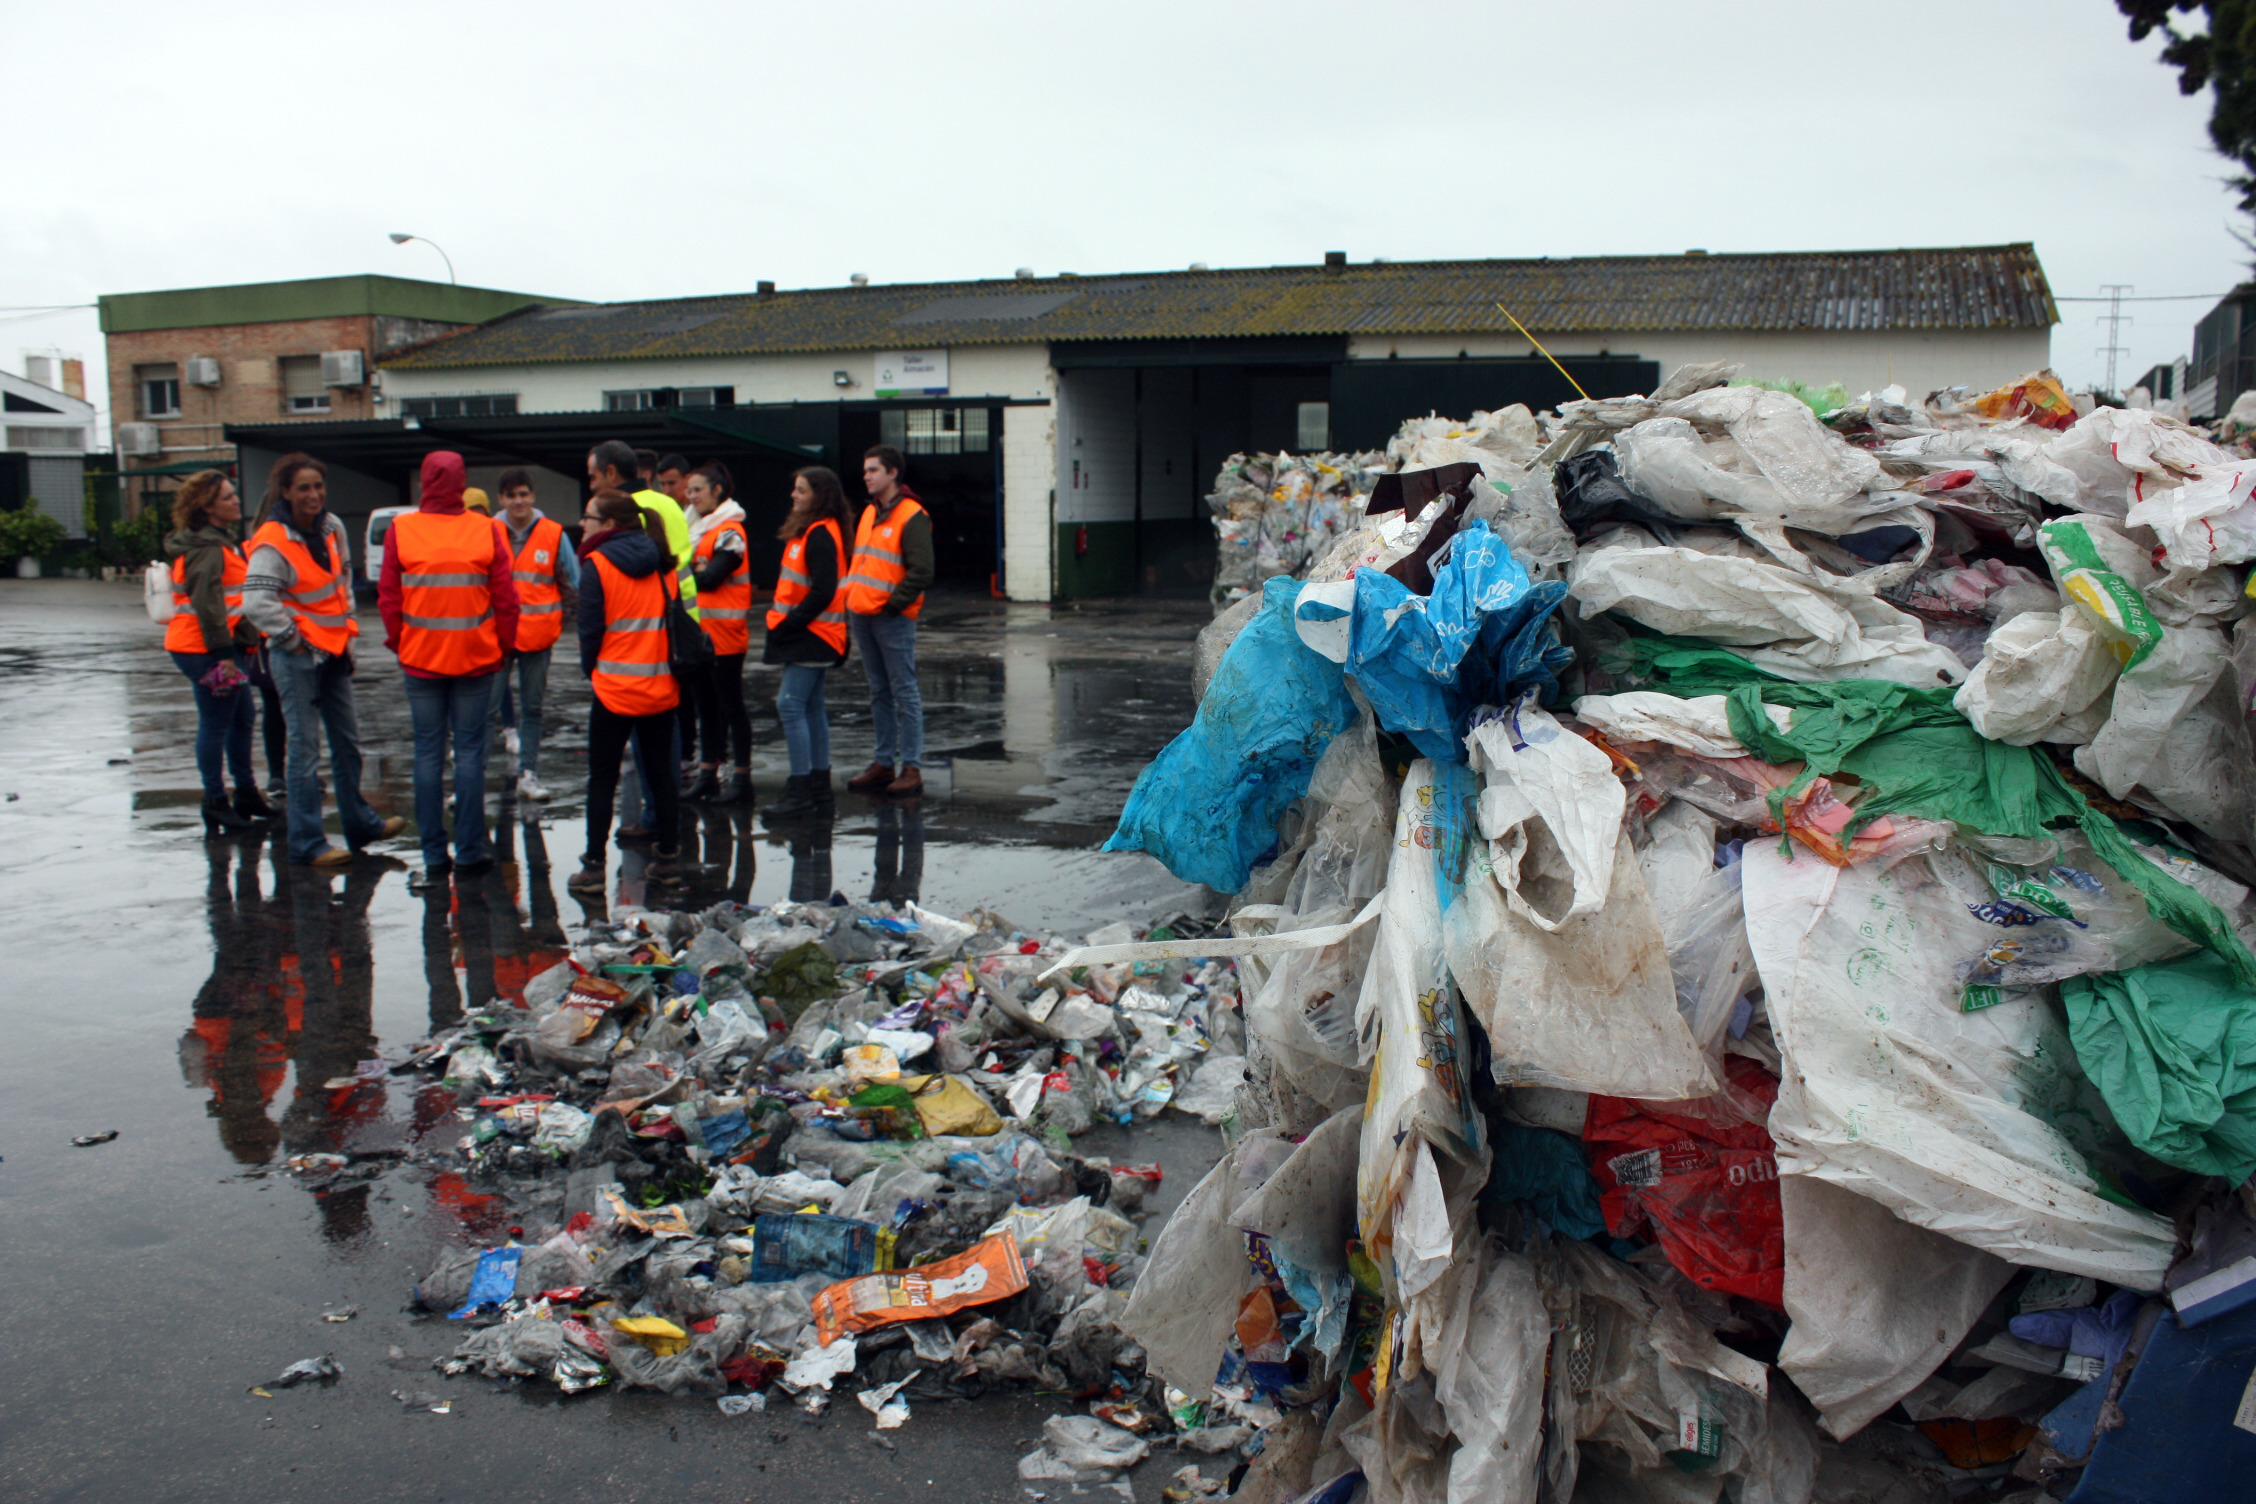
(688, 649)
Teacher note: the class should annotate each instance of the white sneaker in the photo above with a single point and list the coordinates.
(530, 787)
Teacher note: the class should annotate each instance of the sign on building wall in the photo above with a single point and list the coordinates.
(912, 373)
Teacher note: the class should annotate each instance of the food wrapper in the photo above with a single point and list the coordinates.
(989, 1270)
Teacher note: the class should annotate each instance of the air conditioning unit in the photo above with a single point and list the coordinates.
(201, 370)
(343, 368)
(137, 438)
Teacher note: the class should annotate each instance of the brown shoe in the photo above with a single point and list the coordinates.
(334, 856)
(910, 782)
(869, 780)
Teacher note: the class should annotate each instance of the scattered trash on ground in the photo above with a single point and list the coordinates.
(774, 1156)
(1741, 898)
(89, 1140)
(321, 1370)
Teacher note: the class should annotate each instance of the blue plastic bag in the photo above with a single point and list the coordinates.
(1208, 805)
(491, 1283)
(786, 1245)
(1426, 662)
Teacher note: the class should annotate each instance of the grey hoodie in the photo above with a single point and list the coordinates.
(271, 574)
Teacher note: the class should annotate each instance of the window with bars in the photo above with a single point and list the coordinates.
(26, 437)
(629, 402)
(934, 430)
(303, 390)
(492, 405)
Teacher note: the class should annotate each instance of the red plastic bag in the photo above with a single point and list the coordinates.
(1705, 1190)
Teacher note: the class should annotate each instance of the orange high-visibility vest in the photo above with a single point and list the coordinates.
(320, 603)
(792, 586)
(633, 672)
(540, 594)
(185, 632)
(725, 611)
(878, 568)
(446, 592)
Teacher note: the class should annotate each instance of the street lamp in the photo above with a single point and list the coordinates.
(400, 239)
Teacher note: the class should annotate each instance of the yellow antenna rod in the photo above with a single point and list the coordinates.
(1546, 354)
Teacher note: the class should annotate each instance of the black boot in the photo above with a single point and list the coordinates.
(705, 788)
(251, 804)
(220, 819)
(738, 789)
(798, 799)
(818, 784)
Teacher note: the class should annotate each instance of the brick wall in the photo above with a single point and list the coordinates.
(250, 382)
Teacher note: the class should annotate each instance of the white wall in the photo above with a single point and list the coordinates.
(1096, 453)
(1920, 360)
(1030, 470)
(1021, 371)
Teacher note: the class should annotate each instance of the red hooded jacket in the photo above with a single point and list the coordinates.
(444, 479)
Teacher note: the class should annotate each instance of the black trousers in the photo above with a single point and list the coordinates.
(727, 723)
(607, 745)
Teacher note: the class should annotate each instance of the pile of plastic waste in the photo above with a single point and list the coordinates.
(1743, 924)
(755, 1151)
(1275, 512)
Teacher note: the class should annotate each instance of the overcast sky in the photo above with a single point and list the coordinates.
(649, 150)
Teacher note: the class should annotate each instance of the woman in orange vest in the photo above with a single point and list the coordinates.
(299, 593)
(720, 551)
(449, 602)
(807, 633)
(624, 651)
(208, 637)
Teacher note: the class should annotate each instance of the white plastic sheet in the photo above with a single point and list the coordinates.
(1491, 1385)
(1550, 798)
(1772, 615)
(1877, 1304)
(1976, 1125)
(1589, 1006)
(1185, 1302)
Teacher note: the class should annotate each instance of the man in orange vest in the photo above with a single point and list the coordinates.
(298, 591)
(449, 601)
(884, 595)
(545, 567)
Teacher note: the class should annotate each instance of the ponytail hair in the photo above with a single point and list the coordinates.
(620, 510)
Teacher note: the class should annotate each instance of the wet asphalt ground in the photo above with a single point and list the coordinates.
(195, 996)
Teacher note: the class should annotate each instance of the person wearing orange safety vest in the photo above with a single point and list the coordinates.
(545, 567)
(626, 585)
(298, 591)
(207, 638)
(884, 595)
(721, 551)
(448, 596)
(807, 634)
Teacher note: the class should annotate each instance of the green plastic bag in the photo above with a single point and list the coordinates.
(1916, 755)
(2173, 1048)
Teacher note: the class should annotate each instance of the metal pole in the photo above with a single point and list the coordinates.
(2114, 318)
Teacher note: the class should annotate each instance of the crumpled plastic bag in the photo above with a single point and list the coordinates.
(1408, 1012)
(2210, 520)
(2173, 1048)
(1490, 1384)
(1207, 806)
(2038, 670)
(1082, 1449)
(1877, 1303)
(1184, 1304)
(1587, 1003)
(1781, 620)
(1977, 1125)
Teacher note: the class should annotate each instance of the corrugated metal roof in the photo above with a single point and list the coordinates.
(1974, 287)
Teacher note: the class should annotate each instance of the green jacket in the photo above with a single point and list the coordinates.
(203, 548)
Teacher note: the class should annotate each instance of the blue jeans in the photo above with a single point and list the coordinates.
(806, 721)
(440, 709)
(318, 697)
(223, 726)
(532, 688)
(888, 648)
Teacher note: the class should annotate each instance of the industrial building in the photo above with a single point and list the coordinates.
(1064, 429)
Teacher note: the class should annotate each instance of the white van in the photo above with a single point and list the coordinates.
(372, 546)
